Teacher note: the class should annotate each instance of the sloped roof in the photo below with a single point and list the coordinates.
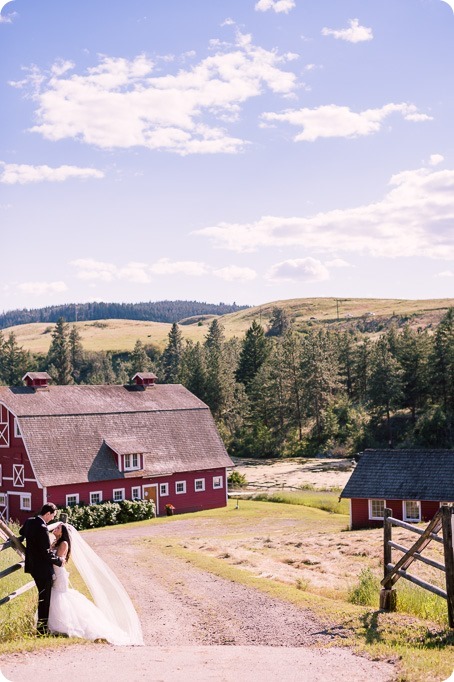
(403, 475)
(68, 429)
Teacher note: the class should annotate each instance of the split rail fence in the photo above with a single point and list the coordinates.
(442, 521)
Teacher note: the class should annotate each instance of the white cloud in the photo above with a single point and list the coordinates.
(90, 269)
(338, 121)
(276, 5)
(445, 273)
(40, 288)
(338, 263)
(415, 218)
(354, 34)
(12, 173)
(436, 159)
(233, 273)
(298, 270)
(123, 103)
(165, 266)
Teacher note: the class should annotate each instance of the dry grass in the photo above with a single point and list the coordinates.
(121, 335)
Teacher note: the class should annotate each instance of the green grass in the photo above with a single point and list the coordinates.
(326, 501)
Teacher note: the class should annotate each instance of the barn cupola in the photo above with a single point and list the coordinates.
(144, 379)
(36, 380)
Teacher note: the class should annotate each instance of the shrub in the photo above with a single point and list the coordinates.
(85, 516)
(237, 480)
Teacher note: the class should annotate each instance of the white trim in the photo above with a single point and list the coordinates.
(1, 477)
(4, 497)
(132, 467)
(166, 489)
(76, 495)
(4, 433)
(29, 458)
(404, 511)
(221, 481)
(199, 480)
(18, 475)
(118, 490)
(96, 492)
(180, 492)
(376, 518)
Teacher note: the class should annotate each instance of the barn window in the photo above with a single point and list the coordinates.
(412, 510)
(217, 482)
(17, 433)
(4, 435)
(376, 509)
(163, 489)
(119, 494)
(131, 462)
(135, 493)
(26, 502)
(72, 500)
(199, 484)
(2, 499)
(96, 498)
(18, 475)
(180, 487)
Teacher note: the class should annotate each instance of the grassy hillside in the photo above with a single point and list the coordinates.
(366, 315)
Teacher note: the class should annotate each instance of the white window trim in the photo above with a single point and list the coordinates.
(4, 434)
(220, 482)
(1, 475)
(166, 489)
(76, 495)
(131, 467)
(199, 480)
(404, 511)
(25, 496)
(18, 475)
(376, 518)
(118, 490)
(3, 499)
(96, 492)
(17, 432)
(138, 490)
(180, 492)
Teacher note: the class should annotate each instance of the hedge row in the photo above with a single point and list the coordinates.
(83, 516)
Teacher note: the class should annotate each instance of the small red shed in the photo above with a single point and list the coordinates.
(73, 444)
(413, 483)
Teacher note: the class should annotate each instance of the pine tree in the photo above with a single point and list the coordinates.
(412, 351)
(76, 353)
(139, 361)
(254, 352)
(279, 322)
(172, 355)
(385, 387)
(58, 357)
(442, 372)
(193, 370)
(14, 361)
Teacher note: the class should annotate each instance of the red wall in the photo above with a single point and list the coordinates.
(16, 454)
(360, 512)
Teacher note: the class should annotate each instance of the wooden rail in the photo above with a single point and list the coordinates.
(443, 520)
(11, 541)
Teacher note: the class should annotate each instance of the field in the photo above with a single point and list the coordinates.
(367, 315)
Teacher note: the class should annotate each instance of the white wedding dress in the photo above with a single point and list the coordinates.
(112, 617)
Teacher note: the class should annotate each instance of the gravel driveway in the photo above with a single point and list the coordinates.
(200, 627)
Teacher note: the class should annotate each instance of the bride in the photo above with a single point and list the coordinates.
(112, 617)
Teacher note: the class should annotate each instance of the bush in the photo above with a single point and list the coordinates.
(367, 591)
(83, 516)
(237, 480)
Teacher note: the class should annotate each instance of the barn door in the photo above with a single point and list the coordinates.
(150, 492)
(4, 507)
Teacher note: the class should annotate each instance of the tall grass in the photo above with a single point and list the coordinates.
(327, 501)
(410, 598)
(16, 617)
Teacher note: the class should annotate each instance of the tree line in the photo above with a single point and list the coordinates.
(278, 392)
(157, 311)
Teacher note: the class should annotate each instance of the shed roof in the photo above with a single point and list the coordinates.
(403, 475)
(71, 431)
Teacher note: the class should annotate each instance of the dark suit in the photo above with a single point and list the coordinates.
(39, 561)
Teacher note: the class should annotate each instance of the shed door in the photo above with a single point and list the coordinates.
(150, 492)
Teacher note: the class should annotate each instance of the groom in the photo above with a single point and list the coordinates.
(40, 560)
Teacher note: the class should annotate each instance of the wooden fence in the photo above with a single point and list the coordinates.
(442, 521)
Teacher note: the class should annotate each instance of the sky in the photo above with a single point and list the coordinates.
(241, 151)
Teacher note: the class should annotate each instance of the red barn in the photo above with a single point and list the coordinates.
(73, 444)
(413, 483)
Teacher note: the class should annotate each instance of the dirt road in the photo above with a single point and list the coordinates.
(200, 627)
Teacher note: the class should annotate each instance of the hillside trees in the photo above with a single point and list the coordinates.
(254, 351)
(171, 357)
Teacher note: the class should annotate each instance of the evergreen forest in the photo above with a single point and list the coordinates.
(278, 392)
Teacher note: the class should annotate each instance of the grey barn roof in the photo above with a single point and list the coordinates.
(403, 475)
(67, 431)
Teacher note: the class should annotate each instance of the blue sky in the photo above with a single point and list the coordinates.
(226, 150)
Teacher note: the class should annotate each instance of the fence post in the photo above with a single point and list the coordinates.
(388, 598)
(447, 521)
